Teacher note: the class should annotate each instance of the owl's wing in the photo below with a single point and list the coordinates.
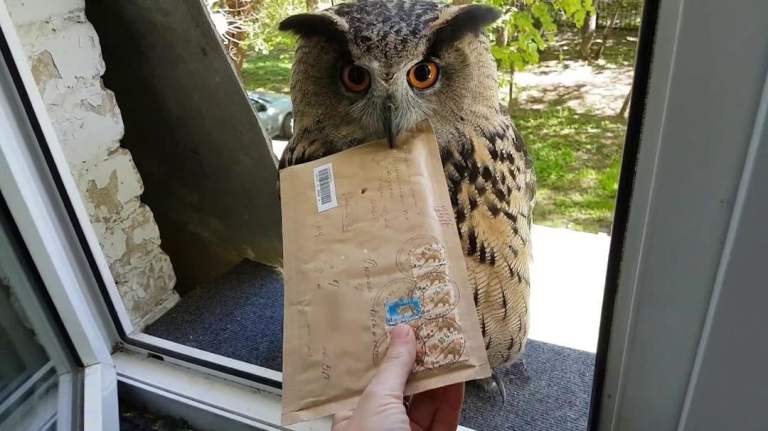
(493, 187)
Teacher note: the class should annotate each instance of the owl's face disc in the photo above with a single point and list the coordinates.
(371, 69)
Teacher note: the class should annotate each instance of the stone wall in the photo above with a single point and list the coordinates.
(65, 56)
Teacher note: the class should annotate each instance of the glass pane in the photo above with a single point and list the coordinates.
(21, 352)
(30, 356)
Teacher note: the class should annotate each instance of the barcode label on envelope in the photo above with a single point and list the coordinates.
(325, 189)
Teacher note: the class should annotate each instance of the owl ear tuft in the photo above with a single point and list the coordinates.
(456, 22)
(307, 25)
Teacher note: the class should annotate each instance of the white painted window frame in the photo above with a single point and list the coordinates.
(35, 205)
(701, 120)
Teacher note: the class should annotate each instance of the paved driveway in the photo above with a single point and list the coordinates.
(567, 281)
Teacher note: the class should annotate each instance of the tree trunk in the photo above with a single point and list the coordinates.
(238, 58)
(625, 105)
(512, 102)
(588, 33)
(235, 37)
(313, 5)
(607, 30)
(501, 37)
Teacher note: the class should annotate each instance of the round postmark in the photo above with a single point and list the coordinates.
(420, 254)
(439, 342)
(437, 293)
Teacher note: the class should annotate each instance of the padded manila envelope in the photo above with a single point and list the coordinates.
(370, 241)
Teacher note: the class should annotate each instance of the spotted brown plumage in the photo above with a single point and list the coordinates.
(489, 174)
(491, 184)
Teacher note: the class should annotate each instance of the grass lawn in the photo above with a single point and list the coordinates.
(576, 154)
(271, 72)
(577, 159)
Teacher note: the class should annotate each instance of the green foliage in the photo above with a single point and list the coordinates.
(531, 25)
(260, 25)
(270, 39)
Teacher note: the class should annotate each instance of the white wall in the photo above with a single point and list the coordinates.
(65, 56)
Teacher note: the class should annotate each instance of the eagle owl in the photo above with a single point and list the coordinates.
(370, 69)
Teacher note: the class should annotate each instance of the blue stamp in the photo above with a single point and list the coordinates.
(403, 310)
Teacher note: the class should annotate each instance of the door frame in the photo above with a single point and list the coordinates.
(698, 122)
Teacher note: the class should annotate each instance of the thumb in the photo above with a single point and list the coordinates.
(397, 364)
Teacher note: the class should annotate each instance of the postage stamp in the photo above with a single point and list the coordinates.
(438, 299)
(440, 342)
(399, 290)
(403, 310)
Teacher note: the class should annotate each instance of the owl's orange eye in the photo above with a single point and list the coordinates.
(423, 75)
(355, 78)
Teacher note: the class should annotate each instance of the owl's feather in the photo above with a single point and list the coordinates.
(491, 184)
(489, 174)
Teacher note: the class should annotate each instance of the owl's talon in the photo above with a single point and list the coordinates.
(499, 384)
(494, 385)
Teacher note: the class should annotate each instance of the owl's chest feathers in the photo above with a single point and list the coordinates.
(490, 179)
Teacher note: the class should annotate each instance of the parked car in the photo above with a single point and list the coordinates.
(275, 112)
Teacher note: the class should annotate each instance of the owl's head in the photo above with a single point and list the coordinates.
(370, 69)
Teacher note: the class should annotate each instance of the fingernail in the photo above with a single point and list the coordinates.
(400, 332)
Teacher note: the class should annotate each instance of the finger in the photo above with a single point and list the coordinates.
(394, 370)
(424, 406)
(341, 420)
(448, 412)
(438, 409)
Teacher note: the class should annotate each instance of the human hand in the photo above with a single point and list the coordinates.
(381, 406)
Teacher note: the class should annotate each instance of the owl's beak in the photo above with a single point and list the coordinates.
(389, 127)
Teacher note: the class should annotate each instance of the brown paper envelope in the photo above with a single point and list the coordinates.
(370, 241)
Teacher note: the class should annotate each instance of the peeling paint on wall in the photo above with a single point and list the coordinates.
(65, 58)
(43, 68)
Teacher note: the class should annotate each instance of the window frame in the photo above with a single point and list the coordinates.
(35, 206)
(678, 219)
